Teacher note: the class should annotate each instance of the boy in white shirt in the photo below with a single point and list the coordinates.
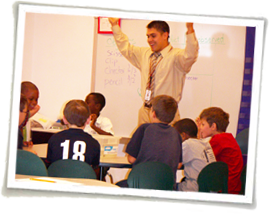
(197, 153)
(99, 124)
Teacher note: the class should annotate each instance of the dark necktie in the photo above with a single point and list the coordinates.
(154, 60)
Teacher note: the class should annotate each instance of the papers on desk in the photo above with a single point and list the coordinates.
(42, 120)
(47, 180)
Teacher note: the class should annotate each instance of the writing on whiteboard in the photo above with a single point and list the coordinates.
(110, 42)
(118, 74)
(215, 40)
(191, 78)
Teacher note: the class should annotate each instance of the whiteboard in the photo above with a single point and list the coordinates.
(214, 80)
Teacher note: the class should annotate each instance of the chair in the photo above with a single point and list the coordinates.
(151, 175)
(214, 178)
(243, 180)
(242, 140)
(69, 168)
(28, 163)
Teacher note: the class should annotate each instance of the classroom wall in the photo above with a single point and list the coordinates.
(58, 54)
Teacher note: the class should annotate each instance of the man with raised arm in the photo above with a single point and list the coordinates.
(163, 68)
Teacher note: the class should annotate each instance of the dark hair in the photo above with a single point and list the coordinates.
(26, 85)
(98, 98)
(187, 126)
(23, 102)
(216, 115)
(165, 108)
(76, 112)
(161, 26)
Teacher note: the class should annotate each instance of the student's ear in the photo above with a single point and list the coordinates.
(153, 115)
(214, 127)
(88, 120)
(184, 136)
(65, 120)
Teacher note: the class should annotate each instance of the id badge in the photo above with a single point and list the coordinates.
(148, 95)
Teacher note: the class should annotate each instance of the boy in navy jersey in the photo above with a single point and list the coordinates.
(74, 143)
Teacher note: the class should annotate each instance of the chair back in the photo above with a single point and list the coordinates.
(151, 175)
(242, 140)
(69, 168)
(243, 180)
(28, 163)
(214, 178)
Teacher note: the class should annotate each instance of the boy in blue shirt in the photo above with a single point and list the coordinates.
(157, 141)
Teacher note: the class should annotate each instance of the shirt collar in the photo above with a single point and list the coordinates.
(166, 50)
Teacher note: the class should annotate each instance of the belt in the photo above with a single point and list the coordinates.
(147, 105)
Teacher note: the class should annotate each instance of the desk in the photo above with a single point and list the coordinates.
(116, 162)
(71, 181)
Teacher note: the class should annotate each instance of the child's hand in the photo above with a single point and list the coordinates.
(28, 144)
(93, 120)
(34, 110)
(198, 122)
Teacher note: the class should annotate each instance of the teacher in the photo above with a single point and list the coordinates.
(163, 68)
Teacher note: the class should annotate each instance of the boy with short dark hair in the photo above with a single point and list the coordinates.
(31, 92)
(98, 124)
(213, 123)
(157, 141)
(74, 143)
(197, 153)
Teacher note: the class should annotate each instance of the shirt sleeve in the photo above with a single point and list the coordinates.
(186, 58)
(186, 152)
(106, 125)
(134, 144)
(132, 53)
(216, 146)
(96, 160)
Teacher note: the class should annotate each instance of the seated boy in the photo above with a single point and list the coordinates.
(197, 153)
(31, 92)
(99, 124)
(213, 123)
(157, 141)
(74, 143)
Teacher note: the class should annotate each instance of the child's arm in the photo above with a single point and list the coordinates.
(179, 165)
(131, 159)
(34, 110)
(97, 129)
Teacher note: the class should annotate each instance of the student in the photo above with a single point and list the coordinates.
(74, 143)
(31, 92)
(172, 64)
(197, 153)
(213, 123)
(99, 124)
(23, 119)
(157, 141)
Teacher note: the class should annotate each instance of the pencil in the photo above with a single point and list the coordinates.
(43, 180)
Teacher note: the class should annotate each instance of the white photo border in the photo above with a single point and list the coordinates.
(257, 69)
